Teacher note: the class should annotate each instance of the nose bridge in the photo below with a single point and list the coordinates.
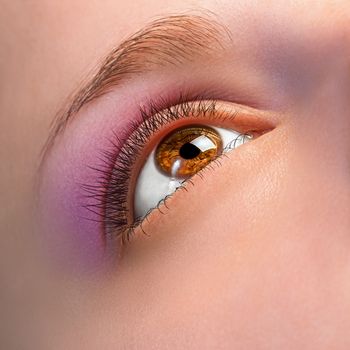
(322, 147)
(328, 98)
(321, 106)
(317, 76)
(322, 100)
(311, 59)
(322, 116)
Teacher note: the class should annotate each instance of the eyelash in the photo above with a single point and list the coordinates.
(110, 194)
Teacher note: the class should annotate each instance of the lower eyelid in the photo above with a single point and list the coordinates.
(157, 215)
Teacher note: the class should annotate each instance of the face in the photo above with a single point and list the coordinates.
(175, 176)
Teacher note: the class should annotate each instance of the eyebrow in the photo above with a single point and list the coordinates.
(170, 40)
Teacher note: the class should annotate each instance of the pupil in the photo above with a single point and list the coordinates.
(189, 151)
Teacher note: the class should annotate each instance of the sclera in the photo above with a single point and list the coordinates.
(153, 185)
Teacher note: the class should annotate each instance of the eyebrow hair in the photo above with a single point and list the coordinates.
(170, 40)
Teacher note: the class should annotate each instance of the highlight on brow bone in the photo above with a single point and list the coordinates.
(166, 41)
(170, 40)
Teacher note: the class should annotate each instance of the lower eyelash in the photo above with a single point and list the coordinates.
(162, 204)
(111, 191)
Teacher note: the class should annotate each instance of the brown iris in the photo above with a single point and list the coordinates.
(186, 151)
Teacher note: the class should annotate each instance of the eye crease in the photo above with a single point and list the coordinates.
(180, 155)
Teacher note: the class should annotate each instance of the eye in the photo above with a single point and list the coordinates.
(163, 150)
(113, 166)
(178, 156)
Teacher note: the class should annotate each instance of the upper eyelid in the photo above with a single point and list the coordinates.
(156, 121)
(167, 41)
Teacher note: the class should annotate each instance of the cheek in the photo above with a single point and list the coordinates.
(236, 254)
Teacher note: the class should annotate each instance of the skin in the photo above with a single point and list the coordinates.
(260, 262)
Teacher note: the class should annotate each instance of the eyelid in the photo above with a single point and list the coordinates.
(210, 112)
(154, 127)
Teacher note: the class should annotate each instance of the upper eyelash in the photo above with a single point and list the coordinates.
(110, 193)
